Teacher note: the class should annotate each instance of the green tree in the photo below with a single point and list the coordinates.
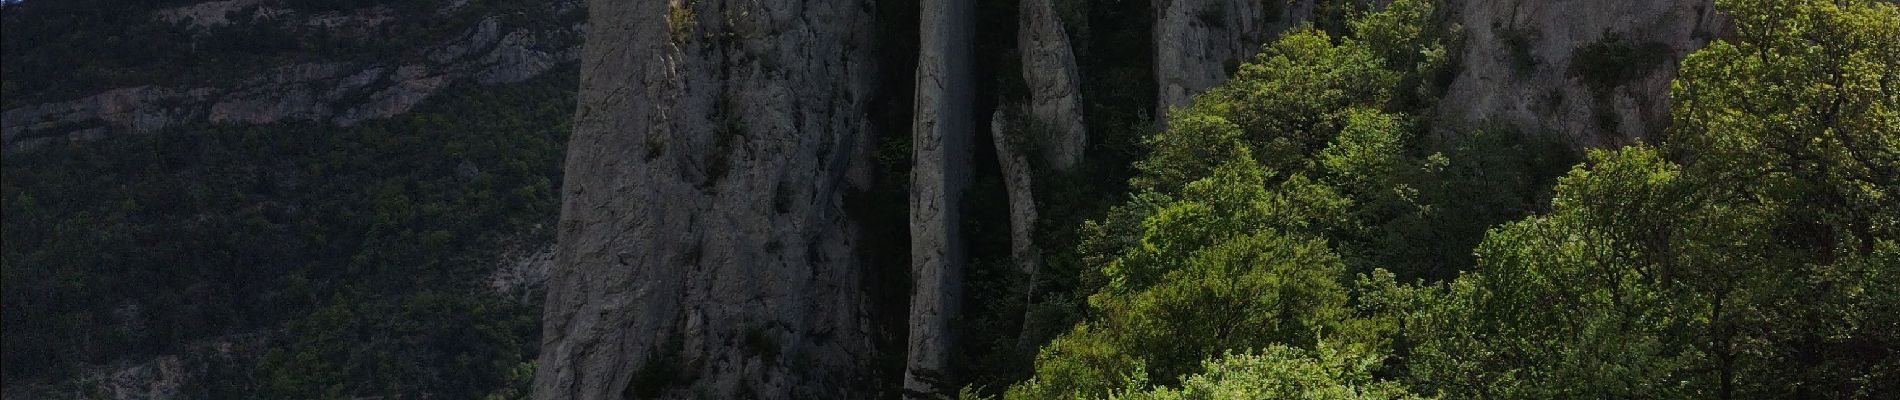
(1759, 267)
(1282, 372)
(1242, 212)
(1562, 305)
(1791, 133)
(1210, 274)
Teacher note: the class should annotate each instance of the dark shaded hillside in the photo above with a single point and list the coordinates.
(363, 249)
(56, 50)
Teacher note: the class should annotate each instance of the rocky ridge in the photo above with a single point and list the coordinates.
(703, 246)
(342, 93)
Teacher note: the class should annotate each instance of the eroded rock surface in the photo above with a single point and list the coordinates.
(703, 248)
(941, 143)
(342, 93)
(1597, 72)
(1019, 183)
(1054, 85)
(1199, 43)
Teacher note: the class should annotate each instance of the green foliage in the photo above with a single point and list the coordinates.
(1748, 256)
(681, 21)
(1293, 98)
(1281, 372)
(1743, 272)
(448, 345)
(1209, 275)
(1217, 252)
(1557, 287)
(1802, 109)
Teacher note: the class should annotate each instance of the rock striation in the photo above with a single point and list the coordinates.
(942, 136)
(1055, 94)
(342, 93)
(704, 251)
(1019, 185)
(1597, 72)
(1199, 43)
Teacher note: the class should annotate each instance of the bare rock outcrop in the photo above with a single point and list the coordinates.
(342, 93)
(188, 373)
(1055, 94)
(1199, 43)
(1596, 71)
(1019, 185)
(704, 251)
(941, 142)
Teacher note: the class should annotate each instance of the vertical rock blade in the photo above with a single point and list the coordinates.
(1054, 86)
(1019, 182)
(703, 248)
(942, 136)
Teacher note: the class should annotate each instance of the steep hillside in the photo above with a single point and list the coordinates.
(949, 198)
(256, 198)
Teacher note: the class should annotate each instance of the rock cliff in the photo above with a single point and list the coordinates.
(942, 136)
(1597, 72)
(1198, 43)
(1019, 183)
(704, 251)
(339, 92)
(1055, 85)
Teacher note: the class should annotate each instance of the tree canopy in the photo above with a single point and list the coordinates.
(1748, 254)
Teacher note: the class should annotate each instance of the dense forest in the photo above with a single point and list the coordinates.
(363, 247)
(1295, 233)
(1310, 228)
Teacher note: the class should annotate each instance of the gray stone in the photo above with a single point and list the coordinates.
(1054, 86)
(703, 248)
(1519, 56)
(1199, 43)
(941, 142)
(1019, 183)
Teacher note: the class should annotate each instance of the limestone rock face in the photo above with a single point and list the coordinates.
(941, 143)
(1595, 71)
(1054, 85)
(703, 249)
(1199, 43)
(1019, 183)
(342, 93)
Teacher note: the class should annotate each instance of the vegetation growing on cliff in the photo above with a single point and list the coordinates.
(1271, 245)
(1306, 230)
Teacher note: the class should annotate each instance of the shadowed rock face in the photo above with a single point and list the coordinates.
(942, 136)
(1597, 72)
(341, 93)
(1198, 43)
(1055, 85)
(703, 247)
